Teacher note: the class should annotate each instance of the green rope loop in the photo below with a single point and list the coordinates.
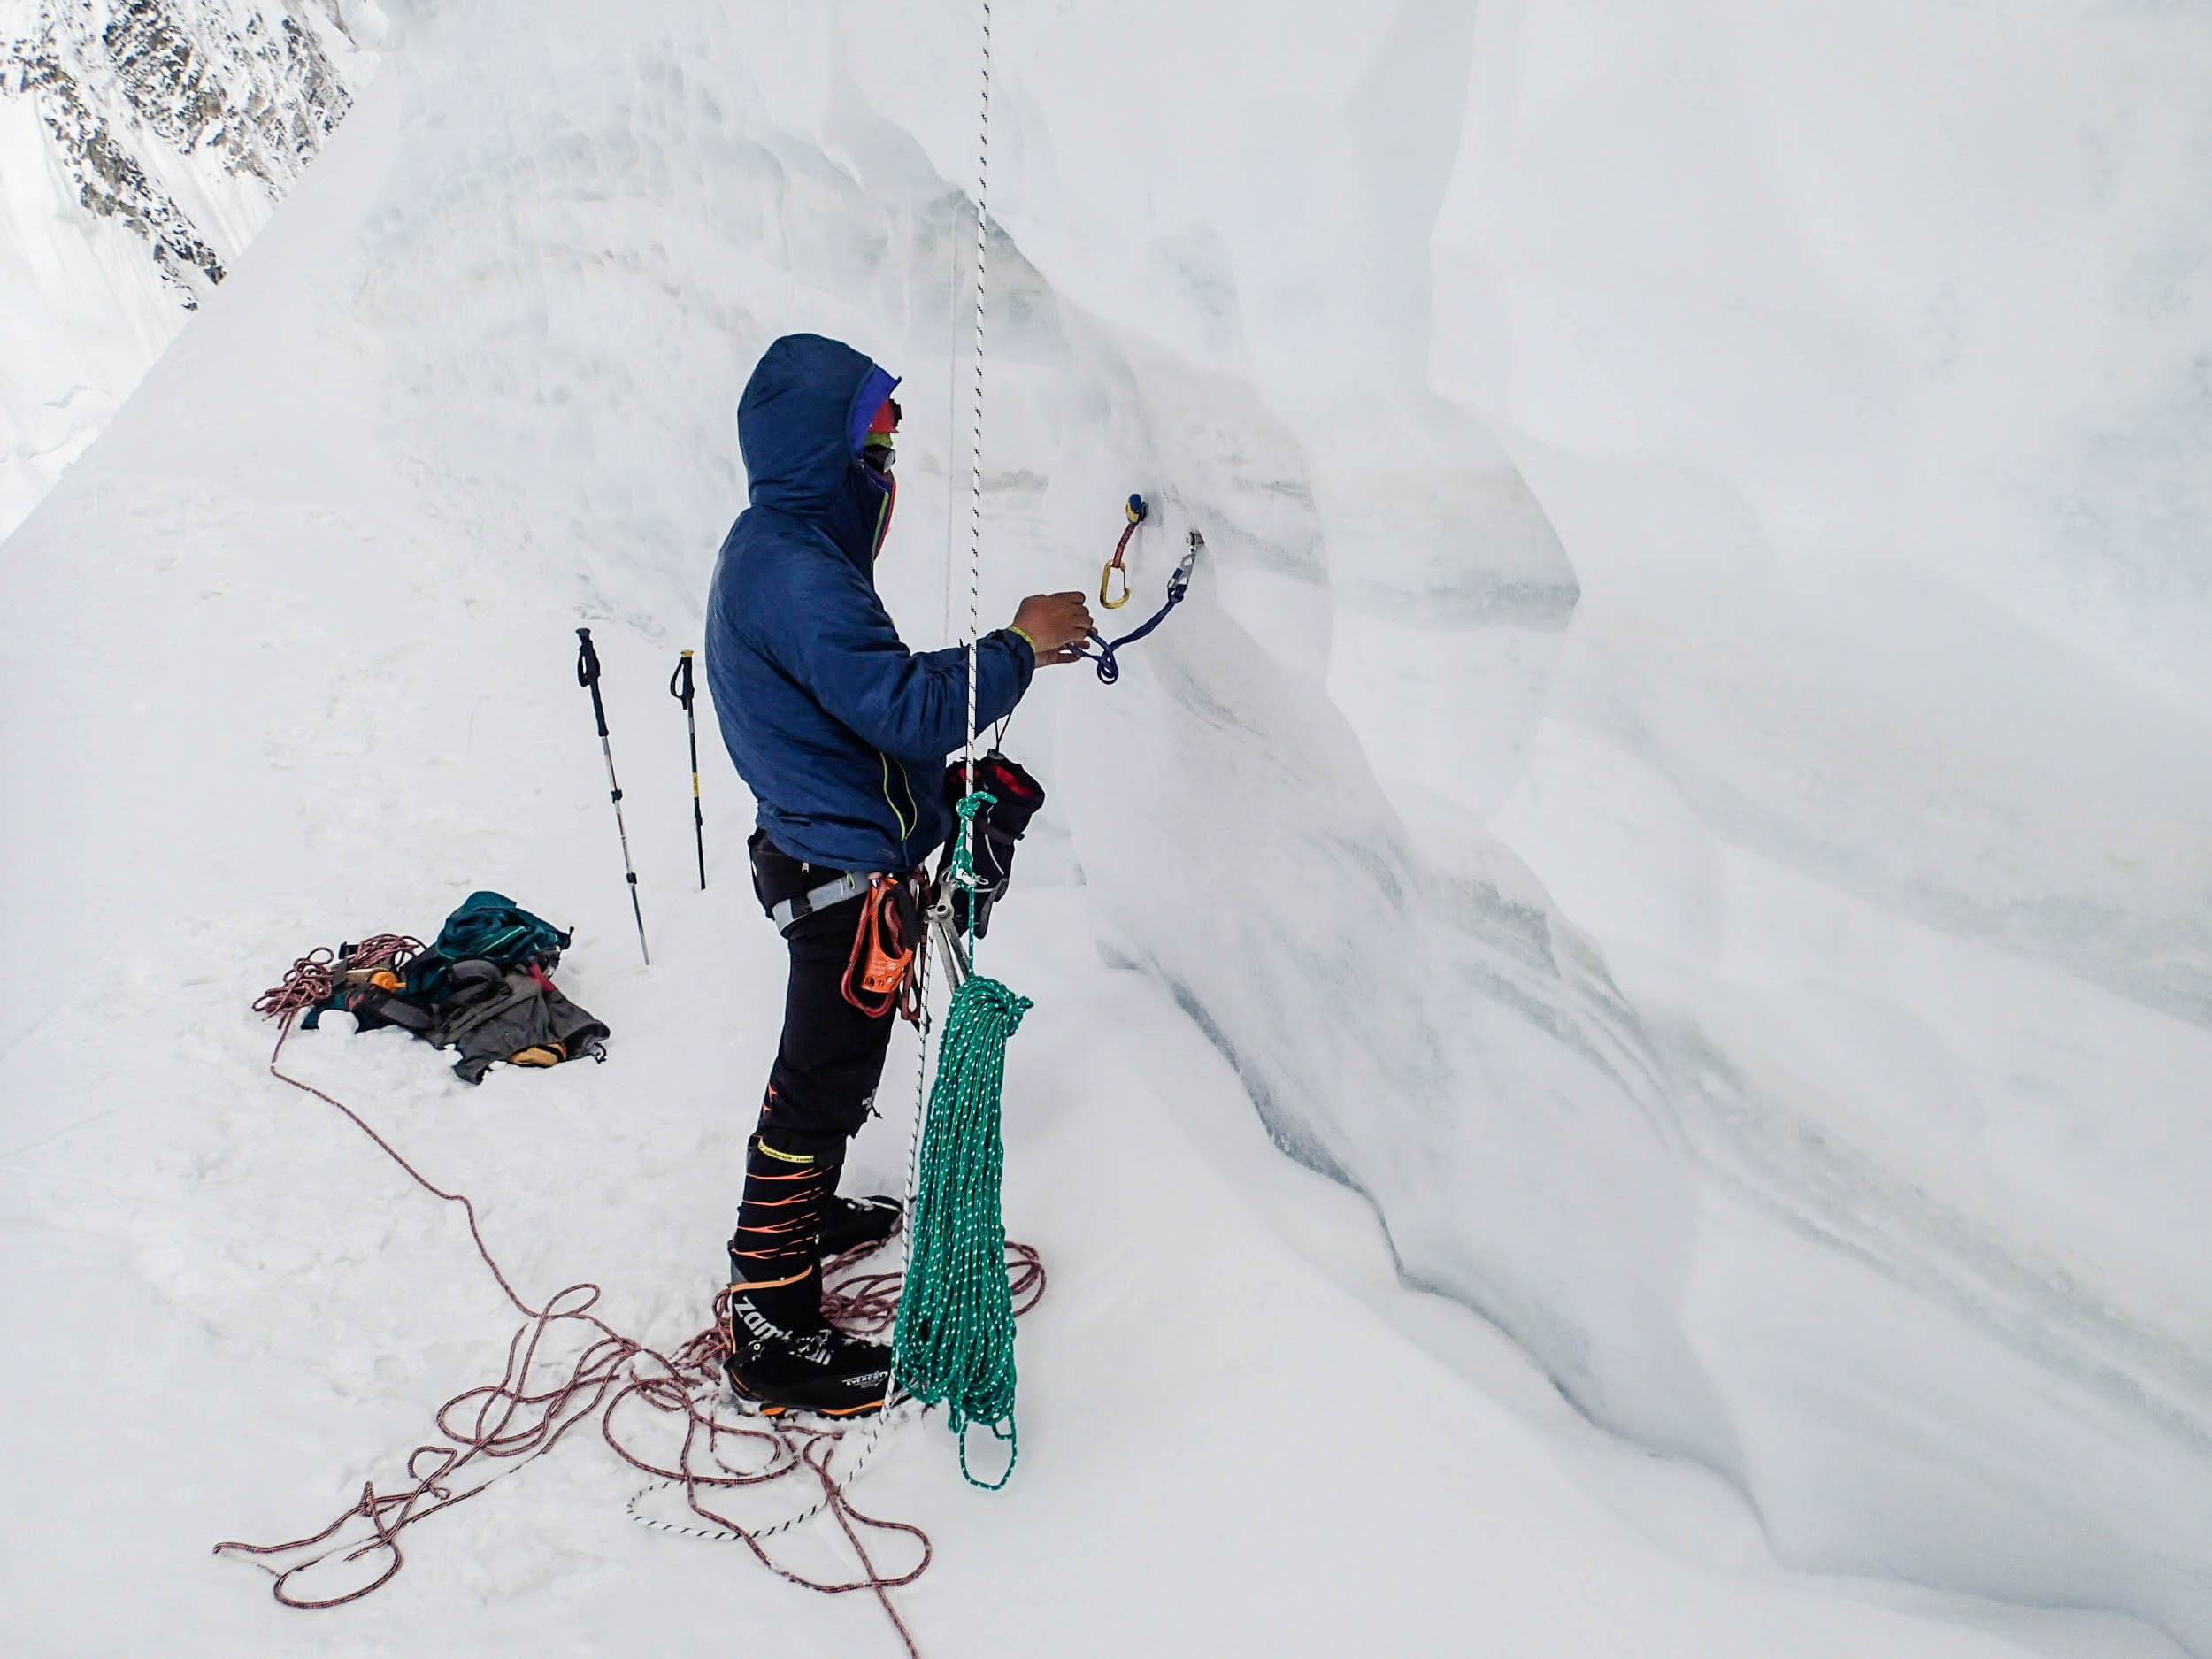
(953, 1344)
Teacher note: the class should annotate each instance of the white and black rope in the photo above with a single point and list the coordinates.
(878, 1429)
(975, 403)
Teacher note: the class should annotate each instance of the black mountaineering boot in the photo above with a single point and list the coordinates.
(784, 1355)
(848, 1224)
(824, 1370)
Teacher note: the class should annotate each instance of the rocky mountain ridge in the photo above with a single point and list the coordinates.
(147, 141)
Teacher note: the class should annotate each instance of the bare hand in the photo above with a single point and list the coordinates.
(1055, 623)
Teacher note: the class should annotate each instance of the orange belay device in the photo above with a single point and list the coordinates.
(876, 974)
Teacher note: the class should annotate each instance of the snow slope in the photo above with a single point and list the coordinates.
(1751, 957)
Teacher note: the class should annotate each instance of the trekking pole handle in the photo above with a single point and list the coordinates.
(679, 685)
(588, 676)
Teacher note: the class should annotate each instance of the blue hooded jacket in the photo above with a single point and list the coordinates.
(840, 731)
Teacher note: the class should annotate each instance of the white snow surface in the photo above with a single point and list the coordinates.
(1683, 784)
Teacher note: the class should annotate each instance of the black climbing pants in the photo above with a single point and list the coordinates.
(831, 1056)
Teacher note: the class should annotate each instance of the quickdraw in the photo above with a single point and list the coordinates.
(1138, 513)
(1178, 585)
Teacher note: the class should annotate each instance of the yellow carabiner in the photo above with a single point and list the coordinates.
(1136, 512)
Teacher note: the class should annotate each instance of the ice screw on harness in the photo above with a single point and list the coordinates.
(1178, 585)
(1137, 512)
(587, 676)
(680, 686)
(954, 1342)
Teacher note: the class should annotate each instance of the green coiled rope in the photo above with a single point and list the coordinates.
(953, 1344)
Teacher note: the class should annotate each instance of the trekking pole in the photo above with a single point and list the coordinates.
(587, 676)
(679, 688)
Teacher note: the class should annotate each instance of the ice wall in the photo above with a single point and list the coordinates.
(1688, 784)
(1683, 776)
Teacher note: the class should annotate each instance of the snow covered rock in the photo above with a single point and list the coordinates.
(142, 142)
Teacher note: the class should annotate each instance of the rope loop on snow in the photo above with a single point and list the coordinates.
(488, 1432)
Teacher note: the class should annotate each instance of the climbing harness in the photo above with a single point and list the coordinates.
(680, 686)
(1178, 585)
(587, 676)
(1137, 512)
(795, 910)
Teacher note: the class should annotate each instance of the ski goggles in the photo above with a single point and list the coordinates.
(878, 448)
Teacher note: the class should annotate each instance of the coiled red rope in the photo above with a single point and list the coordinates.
(488, 1432)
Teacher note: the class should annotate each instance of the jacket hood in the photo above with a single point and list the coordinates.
(800, 426)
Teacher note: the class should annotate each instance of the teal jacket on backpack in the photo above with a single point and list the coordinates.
(487, 927)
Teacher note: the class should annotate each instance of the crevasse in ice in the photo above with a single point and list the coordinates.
(1684, 775)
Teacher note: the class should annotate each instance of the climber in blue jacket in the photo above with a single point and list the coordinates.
(841, 733)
